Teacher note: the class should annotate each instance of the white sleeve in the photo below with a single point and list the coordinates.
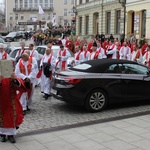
(112, 51)
(33, 73)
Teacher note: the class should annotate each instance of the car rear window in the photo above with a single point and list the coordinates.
(81, 67)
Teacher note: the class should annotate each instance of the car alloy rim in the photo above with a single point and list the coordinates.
(97, 100)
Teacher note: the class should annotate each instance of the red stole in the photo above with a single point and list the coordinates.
(111, 49)
(30, 59)
(96, 54)
(22, 67)
(20, 52)
(78, 56)
(63, 62)
(147, 59)
(85, 53)
(4, 56)
(32, 53)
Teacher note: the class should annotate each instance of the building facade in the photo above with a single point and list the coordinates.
(97, 16)
(25, 10)
(138, 18)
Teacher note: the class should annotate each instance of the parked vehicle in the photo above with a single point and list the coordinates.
(55, 48)
(96, 83)
(13, 36)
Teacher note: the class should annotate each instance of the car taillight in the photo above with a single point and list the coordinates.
(72, 81)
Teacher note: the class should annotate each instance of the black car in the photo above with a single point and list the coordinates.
(13, 36)
(96, 83)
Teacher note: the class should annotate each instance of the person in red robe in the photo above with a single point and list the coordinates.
(10, 108)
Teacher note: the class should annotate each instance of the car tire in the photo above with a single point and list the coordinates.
(96, 100)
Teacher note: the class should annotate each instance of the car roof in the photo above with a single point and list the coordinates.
(100, 65)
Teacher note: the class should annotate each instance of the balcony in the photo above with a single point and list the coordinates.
(32, 9)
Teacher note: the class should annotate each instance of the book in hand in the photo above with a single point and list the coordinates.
(6, 68)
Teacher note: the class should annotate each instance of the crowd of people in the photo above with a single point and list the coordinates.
(19, 88)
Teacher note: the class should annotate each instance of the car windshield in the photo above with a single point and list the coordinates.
(1, 41)
(83, 66)
(12, 33)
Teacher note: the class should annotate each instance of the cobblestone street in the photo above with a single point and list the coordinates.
(51, 114)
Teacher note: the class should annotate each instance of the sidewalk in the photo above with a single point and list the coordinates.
(126, 134)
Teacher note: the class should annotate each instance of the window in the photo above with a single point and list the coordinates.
(30, 3)
(87, 1)
(72, 1)
(46, 3)
(35, 3)
(48, 16)
(21, 3)
(65, 22)
(65, 1)
(127, 69)
(65, 12)
(43, 17)
(108, 22)
(41, 3)
(143, 22)
(135, 69)
(80, 1)
(21, 17)
(118, 17)
(87, 25)
(51, 3)
(80, 25)
(11, 17)
(16, 16)
(25, 3)
(16, 3)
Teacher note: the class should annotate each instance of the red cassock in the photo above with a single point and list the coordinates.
(144, 48)
(10, 107)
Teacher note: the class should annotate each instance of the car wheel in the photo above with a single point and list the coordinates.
(96, 100)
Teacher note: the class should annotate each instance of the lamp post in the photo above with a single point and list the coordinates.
(123, 4)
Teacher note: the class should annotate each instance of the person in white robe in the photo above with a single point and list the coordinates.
(125, 52)
(28, 76)
(136, 55)
(111, 50)
(46, 80)
(78, 56)
(62, 57)
(146, 57)
(99, 48)
(3, 54)
(86, 53)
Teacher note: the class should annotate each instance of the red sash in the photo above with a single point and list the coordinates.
(63, 62)
(85, 53)
(96, 54)
(147, 59)
(22, 68)
(20, 52)
(30, 59)
(111, 49)
(4, 56)
(32, 53)
(78, 56)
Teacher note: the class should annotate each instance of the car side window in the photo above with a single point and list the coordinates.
(135, 69)
(114, 68)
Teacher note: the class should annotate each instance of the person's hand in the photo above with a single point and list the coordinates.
(27, 80)
(72, 62)
(1, 77)
(59, 58)
(13, 76)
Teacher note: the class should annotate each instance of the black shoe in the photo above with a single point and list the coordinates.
(11, 138)
(17, 127)
(24, 112)
(45, 96)
(28, 109)
(3, 138)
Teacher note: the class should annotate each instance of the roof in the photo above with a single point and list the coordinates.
(100, 65)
